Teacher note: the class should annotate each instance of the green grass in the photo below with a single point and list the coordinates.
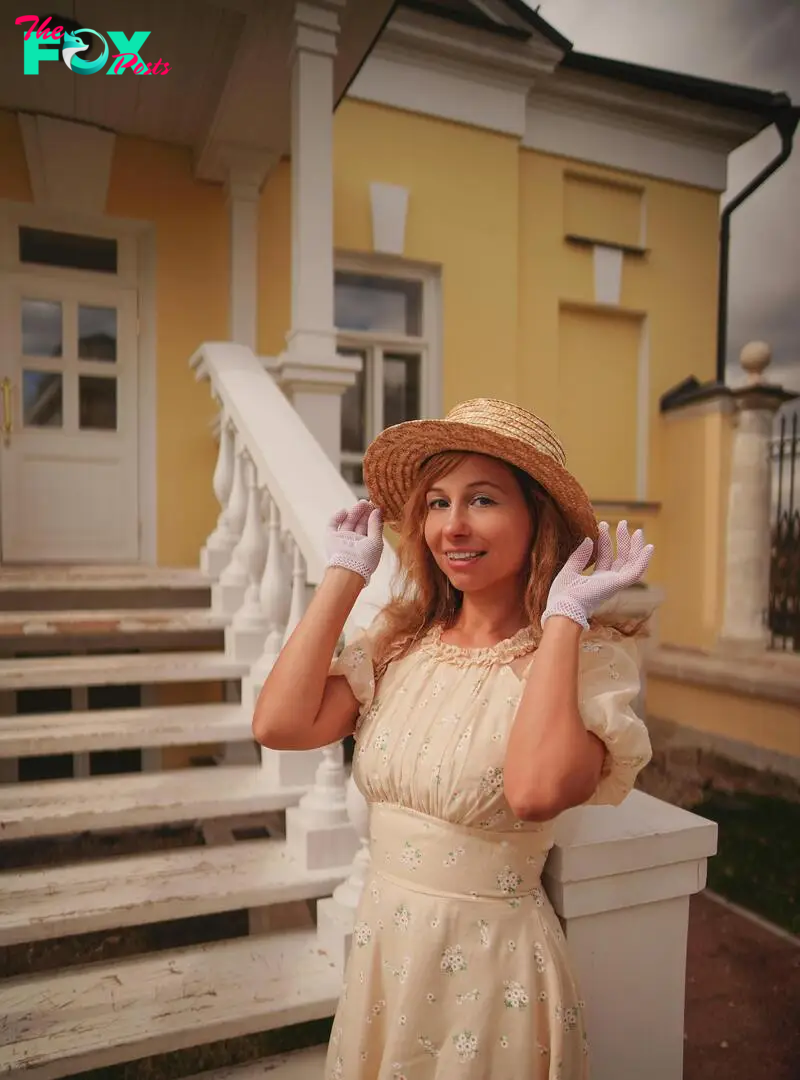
(758, 861)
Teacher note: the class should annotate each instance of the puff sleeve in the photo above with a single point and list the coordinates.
(608, 683)
(355, 663)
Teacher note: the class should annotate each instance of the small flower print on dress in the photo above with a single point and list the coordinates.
(430, 998)
(381, 740)
(515, 995)
(428, 1046)
(483, 929)
(538, 956)
(504, 1041)
(491, 783)
(590, 646)
(362, 934)
(411, 856)
(470, 995)
(402, 917)
(538, 896)
(568, 1018)
(613, 673)
(452, 857)
(508, 880)
(466, 1045)
(453, 960)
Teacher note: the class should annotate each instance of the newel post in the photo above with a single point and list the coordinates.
(748, 542)
(620, 879)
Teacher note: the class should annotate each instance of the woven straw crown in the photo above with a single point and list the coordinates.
(481, 426)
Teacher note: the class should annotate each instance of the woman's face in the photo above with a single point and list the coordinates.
(478, 526)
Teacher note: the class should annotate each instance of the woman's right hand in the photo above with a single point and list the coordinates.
(354, 539)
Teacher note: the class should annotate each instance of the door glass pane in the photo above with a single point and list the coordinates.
(97, 333)
(42, 333)
(401, 391)
(70, 250)
(97, 403)
(42, 399)
(353, 473)
(354, 401)
(365, 302)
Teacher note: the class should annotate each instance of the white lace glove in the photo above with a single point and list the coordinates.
(576, 595)
(354, 539)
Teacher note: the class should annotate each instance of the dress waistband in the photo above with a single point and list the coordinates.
(436, 856)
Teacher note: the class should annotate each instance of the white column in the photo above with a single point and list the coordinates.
(747, 556)
(620, 879)
(243, 196)
(310, 372)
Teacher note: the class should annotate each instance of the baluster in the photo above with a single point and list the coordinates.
(216, 551)
(336, 914)
(227, 593)
(283, 604)
(244, 638)
(299, 602)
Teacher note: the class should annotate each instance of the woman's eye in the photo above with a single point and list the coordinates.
(435, 503)
(484, 500)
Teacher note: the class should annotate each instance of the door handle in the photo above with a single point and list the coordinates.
(5, 385)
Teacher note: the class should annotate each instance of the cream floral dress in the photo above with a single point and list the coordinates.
(458, 968)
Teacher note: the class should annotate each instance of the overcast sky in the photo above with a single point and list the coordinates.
(756, 43)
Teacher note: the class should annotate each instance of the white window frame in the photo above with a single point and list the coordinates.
(376, 343)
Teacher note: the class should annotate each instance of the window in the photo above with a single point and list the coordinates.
(71, 251)
(384, 320)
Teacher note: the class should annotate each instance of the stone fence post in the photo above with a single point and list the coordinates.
(747, 552)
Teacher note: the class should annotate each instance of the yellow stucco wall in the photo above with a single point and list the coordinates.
(772, 725)
(275, 261)
(463, 216)
(192, 245)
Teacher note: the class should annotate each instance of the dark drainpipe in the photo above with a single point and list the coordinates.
(786, 122)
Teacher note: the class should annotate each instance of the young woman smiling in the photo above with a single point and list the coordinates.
(485, 700)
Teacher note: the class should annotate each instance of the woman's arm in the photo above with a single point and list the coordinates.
(300, 707)
(552, 761)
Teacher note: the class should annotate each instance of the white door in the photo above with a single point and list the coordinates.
(68, 445)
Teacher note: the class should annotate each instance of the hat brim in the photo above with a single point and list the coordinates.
(393, 461)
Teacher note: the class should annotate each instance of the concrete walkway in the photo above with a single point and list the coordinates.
(742, 997)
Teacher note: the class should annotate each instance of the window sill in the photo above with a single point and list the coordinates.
(591, 241)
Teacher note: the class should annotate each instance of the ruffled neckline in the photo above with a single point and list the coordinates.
(512, 648)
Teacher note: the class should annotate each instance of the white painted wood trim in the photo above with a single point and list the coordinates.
(643, 411)
(148, 397)
(445, 90)
(136, 269)
(389, 203)
(118, 669)
(608, 264)
(590, 133)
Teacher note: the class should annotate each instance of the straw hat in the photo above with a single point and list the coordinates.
(481, 426)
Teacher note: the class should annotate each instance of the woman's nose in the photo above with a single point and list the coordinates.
(457, 523)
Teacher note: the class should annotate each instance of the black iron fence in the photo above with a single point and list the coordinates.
(784, 578)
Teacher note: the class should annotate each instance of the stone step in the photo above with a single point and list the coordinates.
(299, 1065)
(76, 630)
(48, 588)
(38, 734)
(113, 893)
(118, 669)
(135, 800)
(55, 1025)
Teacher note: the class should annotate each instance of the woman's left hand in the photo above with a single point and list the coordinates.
(575, 595)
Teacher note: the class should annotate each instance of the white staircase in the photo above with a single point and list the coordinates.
(169, 647)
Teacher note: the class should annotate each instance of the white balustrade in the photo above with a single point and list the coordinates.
(217, 549)
(227, 593)
(244, 637)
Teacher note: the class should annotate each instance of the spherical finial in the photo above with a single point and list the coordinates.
(755, 357)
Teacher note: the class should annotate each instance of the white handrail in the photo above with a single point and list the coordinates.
(289, 461)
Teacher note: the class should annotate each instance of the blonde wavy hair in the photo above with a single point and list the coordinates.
(424, 596)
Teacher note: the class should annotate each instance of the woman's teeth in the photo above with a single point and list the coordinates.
(464, 556)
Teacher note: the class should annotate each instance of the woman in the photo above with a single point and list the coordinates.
(485, 700)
